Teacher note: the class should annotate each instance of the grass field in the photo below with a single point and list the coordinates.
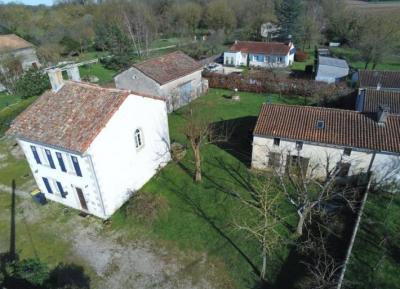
(375, 260)
(7, 99)
(200, 215)
(390, 62)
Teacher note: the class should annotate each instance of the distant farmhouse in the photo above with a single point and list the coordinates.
(91, 148)
(331, 70)
(175, 77)
(380, 80)
(12, 45)
(316, 139)
(260, 54)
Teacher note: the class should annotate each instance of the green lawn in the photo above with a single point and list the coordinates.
(159, 43)
(97, 69)
(7, 99)
(301, 66)
(375, 260)
(390, 62)
(200, 215)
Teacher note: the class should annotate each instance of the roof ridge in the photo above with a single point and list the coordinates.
(157, 57)
(93, 85)
(312, 107)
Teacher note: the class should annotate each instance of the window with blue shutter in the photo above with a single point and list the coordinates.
(61, 161)
(76, 166)
(35, 154)
(47, 185)
(61, 190)
(50, 158)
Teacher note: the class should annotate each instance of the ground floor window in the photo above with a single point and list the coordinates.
(297, 164)
(274, 160)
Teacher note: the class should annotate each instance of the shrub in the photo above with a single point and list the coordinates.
(300, 56)
(147, 207)
(31, 83)
(31, 270)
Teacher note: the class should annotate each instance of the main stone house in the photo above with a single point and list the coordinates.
(175, 77)
(322, 140)
(91, 148)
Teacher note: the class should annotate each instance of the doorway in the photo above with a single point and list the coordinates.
(81, 198)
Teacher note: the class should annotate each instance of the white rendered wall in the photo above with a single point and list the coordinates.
(120, 168)
(69, 179)
(383, 165)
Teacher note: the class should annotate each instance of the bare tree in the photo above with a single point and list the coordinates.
(10, 70)
(261, 221)
(305, 189)
(199, 131)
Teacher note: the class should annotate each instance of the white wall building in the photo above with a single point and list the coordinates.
(321, 138)
(260, 54)
(91, 148)
(175, 77)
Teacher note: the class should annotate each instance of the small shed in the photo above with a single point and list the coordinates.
(331, 70)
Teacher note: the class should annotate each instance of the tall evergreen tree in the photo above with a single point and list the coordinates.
(288, 14)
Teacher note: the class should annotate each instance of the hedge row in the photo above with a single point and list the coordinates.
(269, 82)
(8, 114)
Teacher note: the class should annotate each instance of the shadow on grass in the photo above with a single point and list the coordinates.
(32, 273)
(239, 134)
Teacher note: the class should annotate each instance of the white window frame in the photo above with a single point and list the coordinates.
(139, 139)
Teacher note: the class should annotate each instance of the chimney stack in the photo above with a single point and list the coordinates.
(56, 79)
(382, 114)
(73, 73)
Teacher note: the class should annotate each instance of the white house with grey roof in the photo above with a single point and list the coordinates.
(318, 139)
(331, 70)
(175, 77)
(91, 148)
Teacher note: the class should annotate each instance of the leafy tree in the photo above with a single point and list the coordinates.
(220, 15)
(32, 82)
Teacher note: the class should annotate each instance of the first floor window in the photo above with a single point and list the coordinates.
(347, 152)
(50, 159)
(299, 145)
(138, 138)
(61, 162)
(47, 185)
(277, 141)
(77, 168)
(36, 155)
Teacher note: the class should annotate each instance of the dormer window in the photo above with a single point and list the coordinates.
(138, 139)
(320, 124)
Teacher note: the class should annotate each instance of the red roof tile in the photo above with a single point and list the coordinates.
(168, 67)
(70, 118)
(374, 98)
(386, 79)
(342, 127)
(268, 48)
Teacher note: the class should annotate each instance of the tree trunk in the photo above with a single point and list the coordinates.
(264, 267)
(366, 65)
(197, 160)
(300, 224)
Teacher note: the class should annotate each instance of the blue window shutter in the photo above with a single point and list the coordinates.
(50, 158)
(61, 190)
(35, 154)
(61, 161)
(76, 166)
(47, 185)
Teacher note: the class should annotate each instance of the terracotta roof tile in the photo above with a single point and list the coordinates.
(70, 118)
(387, 79)
(342, 127)
(268, 48)
(374, 98)
(12, 42)
(168, 67)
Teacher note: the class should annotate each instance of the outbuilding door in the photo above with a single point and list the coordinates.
(185, 93)
(81, 198)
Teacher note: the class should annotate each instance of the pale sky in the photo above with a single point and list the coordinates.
(30, 2)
